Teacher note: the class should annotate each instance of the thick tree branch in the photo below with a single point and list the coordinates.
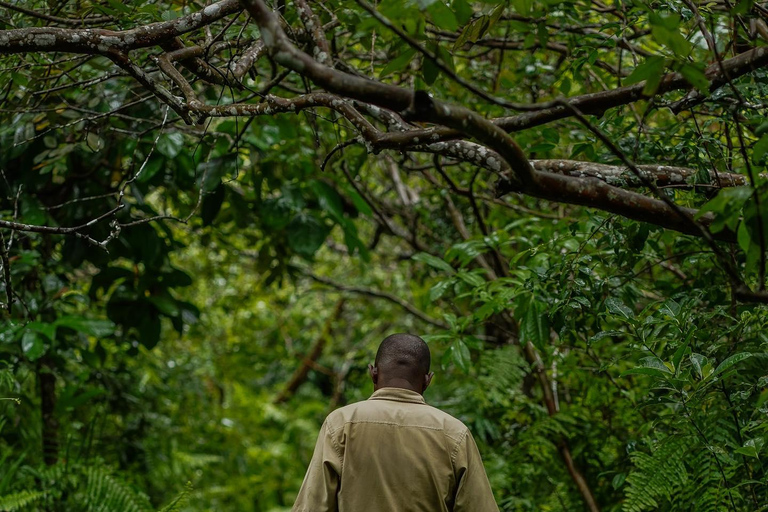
(592, 103)
(98, 41)
(417, 106)
(322, 50)
(249, 57)
(621, 176)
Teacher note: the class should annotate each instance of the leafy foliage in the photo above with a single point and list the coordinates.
(558, 332)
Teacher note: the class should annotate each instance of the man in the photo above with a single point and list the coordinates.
(393, 452)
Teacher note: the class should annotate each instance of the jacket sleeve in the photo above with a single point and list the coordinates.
(473, 491)
(321, 483)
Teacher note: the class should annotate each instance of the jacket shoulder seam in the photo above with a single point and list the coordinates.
(335, 445)
(455, 452)
(458, 438)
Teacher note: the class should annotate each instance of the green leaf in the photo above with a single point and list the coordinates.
(439, 289)
(698, 362)
(729, 362)
(666, 30)
(618, 308)
(463, 11)
(446, 57)
(759, 149)
(44, 328)
(429, 71)
(472, 32)
(471, 278)
(329, 199)
(212, 171)
(360, 204)
(32, 345)
(460, 355)
(726, 206)
(398, 63)
(442, 16)
(752, 448)
(680, 352)
(655, 363)
(496, 14)
(523, 7)
(534, 326)
(153, 166)
(165, 304)
(696, 77)
(742, 237)
(212, 203)
(603, 334)
(653, 372)
(92, 327)
(306, 234)
(433, 261)
(170, 144)
(651, 71)
(149, 330)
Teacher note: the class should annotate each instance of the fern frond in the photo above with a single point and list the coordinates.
(19, 500)
(657, 476)
(180, 500)
(105, 492)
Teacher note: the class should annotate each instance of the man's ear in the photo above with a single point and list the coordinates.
(428, 380)
(374, 373)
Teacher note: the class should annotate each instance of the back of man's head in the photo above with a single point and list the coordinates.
(403, 361)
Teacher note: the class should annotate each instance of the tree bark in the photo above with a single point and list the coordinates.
(50, 424)
(301, 373)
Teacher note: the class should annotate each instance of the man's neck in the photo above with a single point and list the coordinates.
(399, 383)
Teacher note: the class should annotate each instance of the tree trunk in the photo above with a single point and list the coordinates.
(50, 427)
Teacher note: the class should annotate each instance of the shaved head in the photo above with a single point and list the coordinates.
(402, 361)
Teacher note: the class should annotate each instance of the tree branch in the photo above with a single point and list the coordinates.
(57, 19)
(380, 295)
(97, 41)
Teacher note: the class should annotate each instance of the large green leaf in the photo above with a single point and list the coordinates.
(433, 261)
(534, 326)
(306, 234)
(32, 345)
(92, 327)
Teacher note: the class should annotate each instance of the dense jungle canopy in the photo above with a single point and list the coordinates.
(211, 214)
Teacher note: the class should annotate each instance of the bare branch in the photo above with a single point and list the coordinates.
(381, 295)
(593, 103)
(57, 19)
(97, 41)
(322, 50)
(622, 176)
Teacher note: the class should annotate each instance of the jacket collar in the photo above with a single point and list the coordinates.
(398, 395)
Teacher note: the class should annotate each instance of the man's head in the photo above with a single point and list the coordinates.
(402, 361)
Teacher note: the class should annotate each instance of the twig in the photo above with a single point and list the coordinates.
(57, 19)
(695, 225)
(381, 295)
(6, 274)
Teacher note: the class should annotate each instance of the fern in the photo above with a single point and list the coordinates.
(19, 500)
(105, 492)
(657, 476)
(180, 500)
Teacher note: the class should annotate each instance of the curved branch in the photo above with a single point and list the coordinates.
(592, 103)
(621, 176)
(57, 19)
(98, 41)
(416, 106)
(381, 295)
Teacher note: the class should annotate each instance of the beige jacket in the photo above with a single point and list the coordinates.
(394, 453)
